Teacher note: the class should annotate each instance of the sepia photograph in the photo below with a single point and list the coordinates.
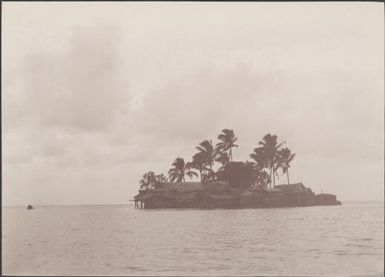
(192, 138)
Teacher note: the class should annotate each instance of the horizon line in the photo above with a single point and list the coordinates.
(129, 204)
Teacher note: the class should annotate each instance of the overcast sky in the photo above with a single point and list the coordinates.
(96, 94)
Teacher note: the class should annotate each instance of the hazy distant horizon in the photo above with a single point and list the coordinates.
(129, 203)
(96, 94)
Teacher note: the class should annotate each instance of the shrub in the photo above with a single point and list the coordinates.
(238, 174)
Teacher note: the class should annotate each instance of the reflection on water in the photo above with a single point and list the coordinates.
(119, 240)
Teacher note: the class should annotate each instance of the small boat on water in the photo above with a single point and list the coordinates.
(29, 207)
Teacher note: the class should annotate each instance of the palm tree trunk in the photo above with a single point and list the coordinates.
(231, 155)
(287, 173)
(183, 179)
(200, 172)
(271, 179)
(211, 171)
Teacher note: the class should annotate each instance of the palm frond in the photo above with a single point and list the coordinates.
(191, 174)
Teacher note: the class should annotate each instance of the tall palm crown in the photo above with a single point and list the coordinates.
(207, 153)
(222, 158)
(180, 170)
(285, 158)
(269, 149)
(198, 162)
(259, 157)
(227, 142)
(260, 163)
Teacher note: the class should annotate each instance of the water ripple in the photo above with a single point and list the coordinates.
(119, 240)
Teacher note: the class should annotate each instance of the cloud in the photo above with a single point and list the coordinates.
(58, 105)
(309, 111)
(80, 88)
(94, 112)
(318, 113)
(197, 104)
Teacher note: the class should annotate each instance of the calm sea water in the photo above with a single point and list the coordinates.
(119, 240)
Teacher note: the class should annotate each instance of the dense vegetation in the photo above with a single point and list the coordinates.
(267, 160)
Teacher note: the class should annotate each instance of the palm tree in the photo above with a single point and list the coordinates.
(207, 155)
(180, 170)
(198, 162)
(188, 170)
(260, 164)
(259, 157)
(285, 157)
(227, 142)
(222, 158)
(269, 151)
(161, 178)
(208, 152)
(261, 177)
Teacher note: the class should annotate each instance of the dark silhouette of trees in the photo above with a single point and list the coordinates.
(179, 170)
(198, 162)
(260, 164)
(261, 177)
(161, 178)
(150, 180)
(260, 158)
(267, 158)
(226, 142)
(223, 159)
(267, 154)
(285, 158)
(238, 174)
(206, 157)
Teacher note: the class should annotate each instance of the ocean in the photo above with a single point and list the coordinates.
(345, 240)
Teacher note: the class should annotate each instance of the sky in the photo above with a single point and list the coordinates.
(96, 94)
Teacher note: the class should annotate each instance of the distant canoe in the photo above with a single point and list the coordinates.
(29, 207)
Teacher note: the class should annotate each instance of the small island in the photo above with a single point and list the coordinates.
(234, 184)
